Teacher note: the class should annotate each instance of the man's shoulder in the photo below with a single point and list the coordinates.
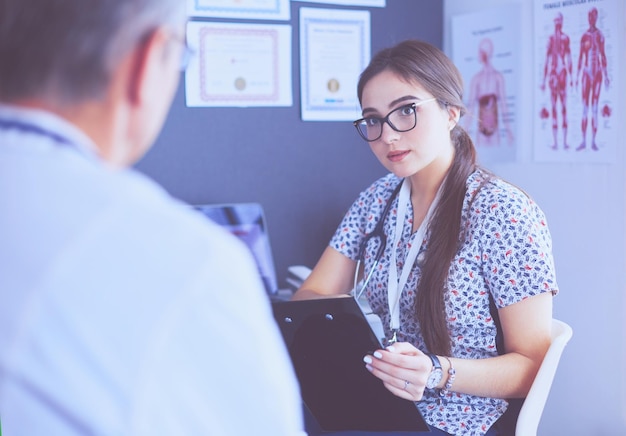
(136, 215)
(165, 218)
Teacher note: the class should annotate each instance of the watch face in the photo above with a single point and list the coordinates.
(434, 378)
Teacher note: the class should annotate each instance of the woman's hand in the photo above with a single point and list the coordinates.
(402, 368)
(526, 329)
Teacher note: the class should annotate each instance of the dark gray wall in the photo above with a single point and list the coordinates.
(305, 174)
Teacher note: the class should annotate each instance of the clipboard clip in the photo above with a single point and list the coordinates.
(393, 340)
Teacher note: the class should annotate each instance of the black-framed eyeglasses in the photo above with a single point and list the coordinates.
(401, 119)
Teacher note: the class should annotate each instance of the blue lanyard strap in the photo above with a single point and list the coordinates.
(32, 128)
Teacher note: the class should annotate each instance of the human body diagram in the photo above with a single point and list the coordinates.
(487, 100)
(557, 68)
(592, 64)
(558, 78)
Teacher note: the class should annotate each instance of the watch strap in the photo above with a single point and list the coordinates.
(436, 373)
(435, 360)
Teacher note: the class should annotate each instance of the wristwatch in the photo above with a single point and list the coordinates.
(436, 374)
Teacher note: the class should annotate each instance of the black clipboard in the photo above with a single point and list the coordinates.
(327, 340)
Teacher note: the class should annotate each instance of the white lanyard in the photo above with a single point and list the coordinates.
(395, 286)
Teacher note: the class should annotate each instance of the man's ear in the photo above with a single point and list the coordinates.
(147, 56)
(141, 90)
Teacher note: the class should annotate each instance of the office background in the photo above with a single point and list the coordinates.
(306, 175)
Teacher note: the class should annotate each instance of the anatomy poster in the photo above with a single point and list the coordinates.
(575, 80)
(486, 49)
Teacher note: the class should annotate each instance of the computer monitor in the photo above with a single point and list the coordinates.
(247, 222)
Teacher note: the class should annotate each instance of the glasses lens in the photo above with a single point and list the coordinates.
(403, 119)
(186, 57)
(370, 129)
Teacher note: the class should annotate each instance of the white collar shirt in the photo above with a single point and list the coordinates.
(122, 311)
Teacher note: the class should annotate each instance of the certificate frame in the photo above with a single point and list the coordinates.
(335, 47)
(239, 65)
(240, 9)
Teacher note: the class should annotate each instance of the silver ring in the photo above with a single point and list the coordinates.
(406, 384)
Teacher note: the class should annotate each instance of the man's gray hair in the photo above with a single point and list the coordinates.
(66, 50)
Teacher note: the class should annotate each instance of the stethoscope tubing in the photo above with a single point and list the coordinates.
(378, 232)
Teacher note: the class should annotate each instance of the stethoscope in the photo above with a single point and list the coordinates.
(378, 232)
(396, 282)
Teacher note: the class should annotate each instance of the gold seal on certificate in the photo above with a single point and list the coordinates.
(333, 85)
(240, 83)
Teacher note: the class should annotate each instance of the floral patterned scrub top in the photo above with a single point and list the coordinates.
(506, 252)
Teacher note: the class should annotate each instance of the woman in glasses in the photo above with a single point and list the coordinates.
(460, 268)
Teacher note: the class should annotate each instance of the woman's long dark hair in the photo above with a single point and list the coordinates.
(419, 62)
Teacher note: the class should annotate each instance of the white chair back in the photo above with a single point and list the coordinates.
(532, 409)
